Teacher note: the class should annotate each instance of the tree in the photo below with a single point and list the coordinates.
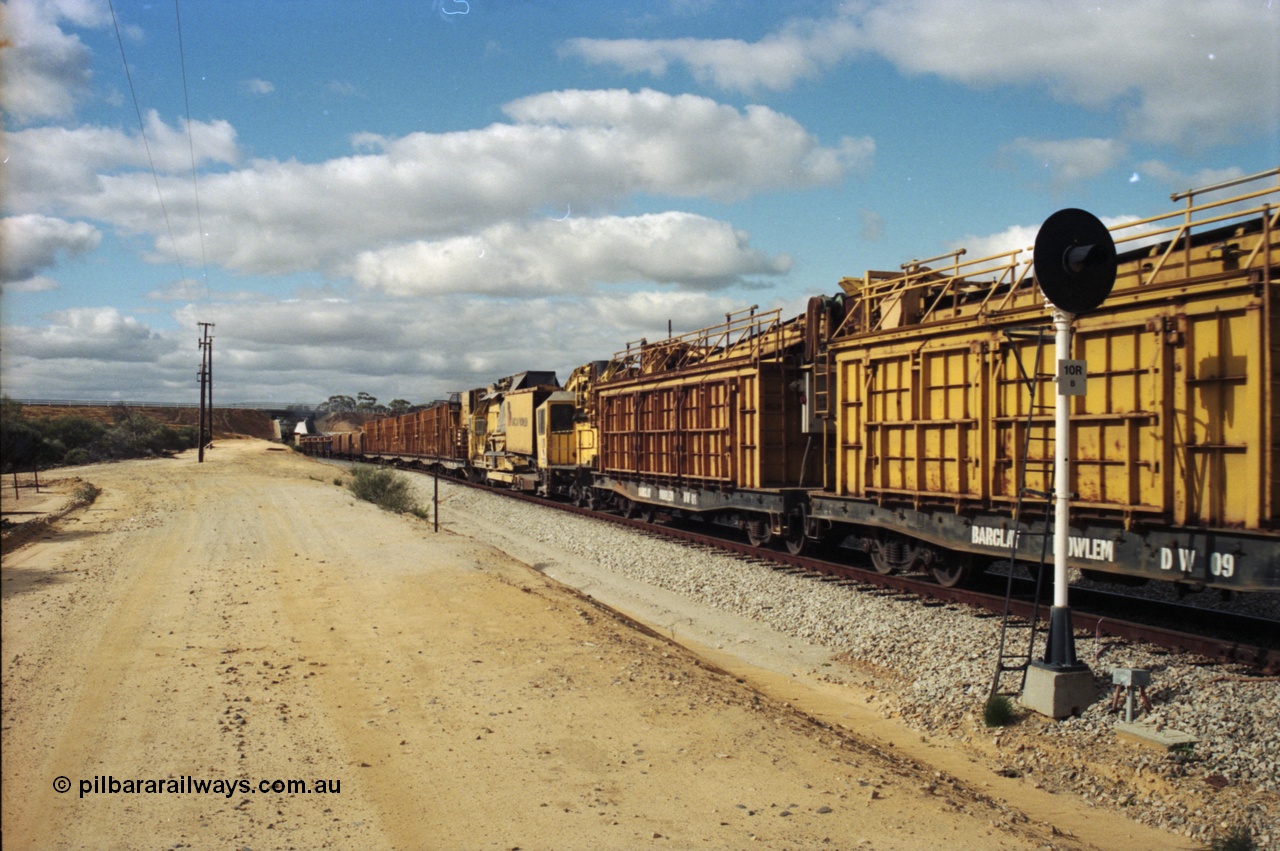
(341, 404)
(366, 402)
(399, 406)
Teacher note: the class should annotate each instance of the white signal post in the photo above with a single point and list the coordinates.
(1062, 463)
(1060, 650)
(1075, 268)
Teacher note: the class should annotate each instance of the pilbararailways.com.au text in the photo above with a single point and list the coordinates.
(188, 785)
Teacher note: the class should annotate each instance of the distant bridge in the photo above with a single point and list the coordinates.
(116, 403)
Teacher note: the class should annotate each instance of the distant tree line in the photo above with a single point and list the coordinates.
(27, 442)
(362, 403)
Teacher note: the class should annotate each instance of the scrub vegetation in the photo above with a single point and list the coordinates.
(386, 489)
(27, 442)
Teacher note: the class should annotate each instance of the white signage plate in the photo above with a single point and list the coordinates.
(1071, 377)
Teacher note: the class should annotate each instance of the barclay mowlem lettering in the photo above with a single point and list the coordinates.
(1087, 549)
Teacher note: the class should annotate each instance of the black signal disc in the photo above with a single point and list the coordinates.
(1075, 261)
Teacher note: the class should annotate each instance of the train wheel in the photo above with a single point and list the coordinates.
(795, 538)
(891, 554)
(630, 509)
(589, 498)
(953, 571)
(758, 531)
(645, 513)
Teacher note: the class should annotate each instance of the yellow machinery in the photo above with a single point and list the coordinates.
(501, 420)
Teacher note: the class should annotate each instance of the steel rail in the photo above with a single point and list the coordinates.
(1263, 658)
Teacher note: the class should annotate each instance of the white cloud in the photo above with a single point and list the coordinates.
(1183, 71)
(578, 148)
(1069, 161)
(46, 70)
(258, 87)
(871, 225)
(194, 289)
(1017, 237)
(802, 49)
(309, 349)
(100, 334)
(1179, 180)
(32, 243)
(37, 284)
(570, 255)
(72, 167)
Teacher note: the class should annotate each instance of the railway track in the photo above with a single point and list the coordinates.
(1223, 636)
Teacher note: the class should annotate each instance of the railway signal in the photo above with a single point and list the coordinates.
(1075, 268)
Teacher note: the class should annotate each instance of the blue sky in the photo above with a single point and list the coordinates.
(409, 197)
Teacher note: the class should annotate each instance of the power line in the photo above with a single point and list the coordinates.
(143, 130)
(195, 185)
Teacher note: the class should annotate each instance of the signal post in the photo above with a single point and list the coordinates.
(1075, 267)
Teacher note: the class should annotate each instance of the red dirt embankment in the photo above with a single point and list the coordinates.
(227, 422)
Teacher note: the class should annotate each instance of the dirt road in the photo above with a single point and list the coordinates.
(246, 621)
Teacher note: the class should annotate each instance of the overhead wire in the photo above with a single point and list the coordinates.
(195, 184)
(147, 145)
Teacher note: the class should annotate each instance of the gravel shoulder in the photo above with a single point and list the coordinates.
(246, 620)
(912, 679)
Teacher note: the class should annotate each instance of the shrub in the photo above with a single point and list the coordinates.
(998, 711)
(384, 488)
(76, 457)
(74, 432)
(87, 493)
(22, 444)
(1238, 838)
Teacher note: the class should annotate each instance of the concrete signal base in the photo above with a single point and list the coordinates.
(1058, 692)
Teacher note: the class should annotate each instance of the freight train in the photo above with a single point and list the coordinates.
(910, 416)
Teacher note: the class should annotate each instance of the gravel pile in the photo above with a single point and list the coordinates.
(936, 663)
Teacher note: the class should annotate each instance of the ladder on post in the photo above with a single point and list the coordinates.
(1011, 662)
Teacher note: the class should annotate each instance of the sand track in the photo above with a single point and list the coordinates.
(246, 620)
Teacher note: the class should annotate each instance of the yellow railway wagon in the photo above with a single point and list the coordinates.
(942, 387)
(348, 444)
(377, 436)
(440, 432)
(429, 438)
(706, 422)
(317, 445)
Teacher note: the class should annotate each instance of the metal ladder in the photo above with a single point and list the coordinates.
(1011, 662)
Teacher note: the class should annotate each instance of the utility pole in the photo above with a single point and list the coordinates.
(205, 375)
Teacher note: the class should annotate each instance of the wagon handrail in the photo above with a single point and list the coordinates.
(879, 297)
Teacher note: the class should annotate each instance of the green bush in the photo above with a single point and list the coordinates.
(138, 436)
(998, 711)
(383, 487)
(73, 432)
(76, 457)
(1238, 838)
(23, 444)
(38, 442)
(87, 493)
